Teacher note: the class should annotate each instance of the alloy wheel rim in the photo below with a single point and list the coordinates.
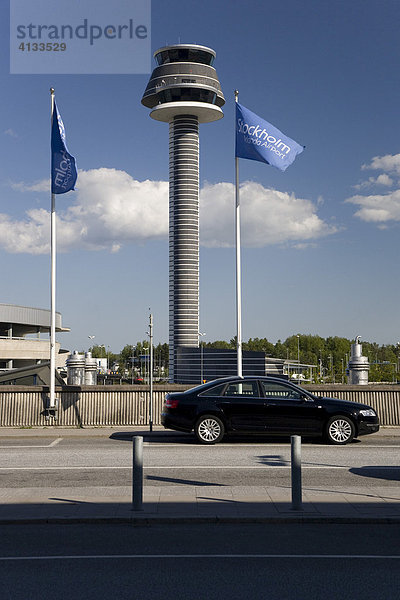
(209, 430)
(340, 430)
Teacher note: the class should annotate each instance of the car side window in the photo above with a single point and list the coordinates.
(278, 390)
(242, 388)
(214, 391)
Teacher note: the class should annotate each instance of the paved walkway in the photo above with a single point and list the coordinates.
(174, 504)
(191, 503)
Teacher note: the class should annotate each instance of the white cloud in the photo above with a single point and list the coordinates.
(382, 179)
(30, 235)
(267, 216)
(390, 163)
(109, 208)
(10, 132)
(379, 208)
(38, 186)
(113, 208)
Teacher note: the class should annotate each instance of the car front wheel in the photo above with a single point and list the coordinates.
(209, 429)
(340, 430)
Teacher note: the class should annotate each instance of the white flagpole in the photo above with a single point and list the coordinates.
(151, 373)
(53, 288)
(238, 267)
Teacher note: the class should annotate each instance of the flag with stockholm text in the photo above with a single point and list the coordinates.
(257, 139)
(63, 166)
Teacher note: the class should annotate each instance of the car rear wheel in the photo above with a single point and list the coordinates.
(209, 429)
(340, 430)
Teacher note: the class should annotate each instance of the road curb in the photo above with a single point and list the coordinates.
(104, 431)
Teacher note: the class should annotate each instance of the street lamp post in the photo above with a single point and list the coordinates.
(145, 348)
(151, 371)
(331, 362)
(298, 358)
(132, 359)
(201, 356)
(106, 355)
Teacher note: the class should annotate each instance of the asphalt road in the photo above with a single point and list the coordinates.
(177, 459)
(200, 562)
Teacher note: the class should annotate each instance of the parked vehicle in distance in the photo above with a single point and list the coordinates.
(264, 405)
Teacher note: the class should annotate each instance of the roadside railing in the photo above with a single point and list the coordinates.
(119, 405)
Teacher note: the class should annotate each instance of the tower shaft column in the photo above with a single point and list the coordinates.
(183, 237)
(184, 91)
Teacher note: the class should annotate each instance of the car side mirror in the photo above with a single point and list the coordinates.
(307, 398)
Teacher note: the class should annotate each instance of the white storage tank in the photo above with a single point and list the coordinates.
(358, 364)
(90, 369)
(76, 369)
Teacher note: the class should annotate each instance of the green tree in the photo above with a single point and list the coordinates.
(280, 350)
(98, 351)
(124, 358)
(260, 345)
(161, 360)
(384, 360)
(162, 352)
(219, 345)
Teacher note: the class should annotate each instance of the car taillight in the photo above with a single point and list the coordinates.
(171, 403)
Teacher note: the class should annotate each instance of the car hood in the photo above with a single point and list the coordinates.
(326, 401)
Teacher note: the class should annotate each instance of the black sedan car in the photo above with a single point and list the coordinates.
(264, 405)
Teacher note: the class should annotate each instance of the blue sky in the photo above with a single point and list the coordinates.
(320, 241)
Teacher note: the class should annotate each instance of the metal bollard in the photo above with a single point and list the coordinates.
(137, 474)
(295, 441)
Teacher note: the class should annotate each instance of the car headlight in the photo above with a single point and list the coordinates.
(368, 412)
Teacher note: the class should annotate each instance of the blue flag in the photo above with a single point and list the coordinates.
(63, 167)
(257, 139)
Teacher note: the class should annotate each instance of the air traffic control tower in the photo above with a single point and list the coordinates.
(183, 91)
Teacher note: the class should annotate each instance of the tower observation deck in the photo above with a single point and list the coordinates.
(184, 91)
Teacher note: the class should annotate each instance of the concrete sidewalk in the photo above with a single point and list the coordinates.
(175, 504)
